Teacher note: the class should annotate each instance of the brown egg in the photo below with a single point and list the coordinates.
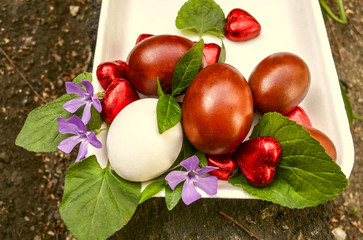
(217, 110)
(279, 83)
(156, 57)
(324, 141)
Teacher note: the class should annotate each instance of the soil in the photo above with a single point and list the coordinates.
(50, 46)
(44, 44)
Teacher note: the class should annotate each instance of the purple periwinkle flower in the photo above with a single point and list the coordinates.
(193, 178)
(87, 97)
(76, 126)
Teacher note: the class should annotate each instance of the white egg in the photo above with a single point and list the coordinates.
(135, 148)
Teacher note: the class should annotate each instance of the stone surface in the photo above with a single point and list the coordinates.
(339, 234)
(204, 219)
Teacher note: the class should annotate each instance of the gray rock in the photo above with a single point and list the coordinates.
(339, 234)
(3, 155)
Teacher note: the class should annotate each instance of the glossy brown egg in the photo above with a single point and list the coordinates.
(324, 140)
(155, 57)
(217, 110)
(279, 83)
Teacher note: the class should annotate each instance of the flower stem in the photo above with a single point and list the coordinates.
(97, 131)
(342, 19)
(100, 95)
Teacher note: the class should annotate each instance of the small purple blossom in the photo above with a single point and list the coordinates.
(76, 126)
(87, 97)
(192, 178)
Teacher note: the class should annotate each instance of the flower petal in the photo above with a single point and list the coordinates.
(68, 144)
(73, 104)
(82, 150)
(93, 140)
(72, 125)
(64, 127)
(176, 177)
(89, 87)
(86, 116)
(189, 193)
(77, 121)
(205, 170)
(190, 164)
(72, 87)
(208, 184)
(97, 105)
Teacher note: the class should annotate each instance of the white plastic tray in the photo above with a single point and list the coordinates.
(292, 26)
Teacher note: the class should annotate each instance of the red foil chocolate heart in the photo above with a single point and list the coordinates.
(109, 71)
(299, 116)
(118, 95)
(226, 163)
(143, 36)
(211, 52)
(257, 158)
(241, 26)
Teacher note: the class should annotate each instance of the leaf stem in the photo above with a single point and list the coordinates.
(356, 116)
(342, 19)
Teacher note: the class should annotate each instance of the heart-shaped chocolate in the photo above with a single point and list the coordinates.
(241, 26)
(299, 116)
(108, 71)
(257, 158)
(211, 52)
(143, 36)
(118, 95)
(226, 163)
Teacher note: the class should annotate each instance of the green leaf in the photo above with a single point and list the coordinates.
(97, 202)
(342, 18)
(95, 121)
(172, 197)
(188, 148)
(306, 176)
(168, 112)
(202, 159)
(201, 16)
(222, 54)
(187, 68)
(152, 189)
(83, 76)
(356, 116)
(160, 90)
(348, 107)
(40, 130)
